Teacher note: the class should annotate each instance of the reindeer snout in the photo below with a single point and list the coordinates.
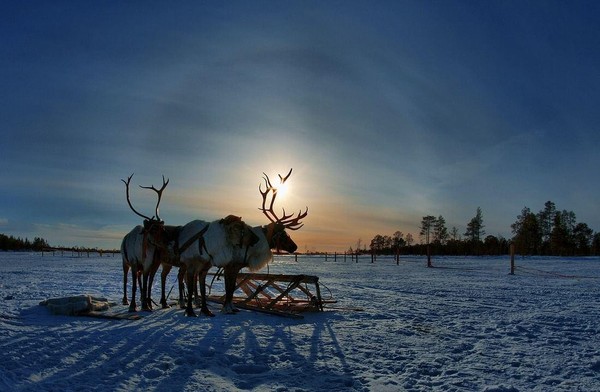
(292, 247)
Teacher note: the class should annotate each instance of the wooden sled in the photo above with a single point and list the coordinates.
(281, 295)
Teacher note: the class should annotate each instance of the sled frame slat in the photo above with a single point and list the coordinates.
(278, 294)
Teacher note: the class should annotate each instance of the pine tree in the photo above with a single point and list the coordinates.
(475, 227)
(582, 236)
(559, 238)
(426, 227)
(527, 232)
(546, 220)
(440, 232)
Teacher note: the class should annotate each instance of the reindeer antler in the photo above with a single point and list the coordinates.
(158, 191)
(129, 201)
(288, 221)
(294, 223)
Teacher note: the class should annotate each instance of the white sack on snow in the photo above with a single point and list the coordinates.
(77, 304)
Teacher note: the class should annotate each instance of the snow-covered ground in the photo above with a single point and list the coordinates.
(466, 327)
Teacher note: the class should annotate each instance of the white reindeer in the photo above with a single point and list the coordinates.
(139, 250)
(199, 245)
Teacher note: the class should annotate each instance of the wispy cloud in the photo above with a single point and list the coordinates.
(386, 113)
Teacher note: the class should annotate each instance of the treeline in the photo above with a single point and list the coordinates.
(12, 243)
(553, 232)
(550, 232)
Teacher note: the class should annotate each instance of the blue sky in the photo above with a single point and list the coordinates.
(387, 111)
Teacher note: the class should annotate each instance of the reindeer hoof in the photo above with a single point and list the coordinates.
(191, 314)
(125, 302)
(165, 306)
(132, 309)
(207, 312)
(229, 309)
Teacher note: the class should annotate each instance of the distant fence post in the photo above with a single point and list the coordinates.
(428, 257)
(335, 257)
(512, 259)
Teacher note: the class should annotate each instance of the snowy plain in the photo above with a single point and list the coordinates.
(466, 325)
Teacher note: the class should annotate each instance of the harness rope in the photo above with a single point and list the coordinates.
(197, 236)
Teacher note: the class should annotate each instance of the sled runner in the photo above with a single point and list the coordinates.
(278, 294)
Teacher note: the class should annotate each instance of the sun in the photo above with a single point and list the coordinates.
(282, 189)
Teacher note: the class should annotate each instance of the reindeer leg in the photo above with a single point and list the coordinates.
(139, 284)
(125, 273)
(202, 280)
(134, 282)
(189, 310)
(152, 274)
(149, 288)
(197, 300)
(163, 281)
(145, 279)
(180, 275)
(230, 274)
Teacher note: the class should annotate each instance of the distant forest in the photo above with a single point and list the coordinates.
(550, 232)
(12, 243)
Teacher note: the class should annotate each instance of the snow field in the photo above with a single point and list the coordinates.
(464, 326)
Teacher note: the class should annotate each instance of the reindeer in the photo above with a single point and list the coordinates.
(139, 250)
(198, 245)
(270, 236)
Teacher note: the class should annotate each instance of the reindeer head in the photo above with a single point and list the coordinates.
(275, 231)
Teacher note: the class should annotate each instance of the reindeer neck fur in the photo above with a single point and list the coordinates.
(132, 249)
(259, 255)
